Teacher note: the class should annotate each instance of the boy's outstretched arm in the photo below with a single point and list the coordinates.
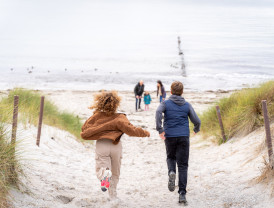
(159, 116)
(194, 119)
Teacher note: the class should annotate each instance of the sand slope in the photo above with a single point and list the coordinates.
(61, 172)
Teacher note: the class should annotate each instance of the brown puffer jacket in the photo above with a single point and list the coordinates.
(101, 126)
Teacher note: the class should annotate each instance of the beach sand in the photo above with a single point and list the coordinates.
(61, 172)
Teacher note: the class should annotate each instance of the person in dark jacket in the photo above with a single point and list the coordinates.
(138, 91)
(175, 133)
(161, 91)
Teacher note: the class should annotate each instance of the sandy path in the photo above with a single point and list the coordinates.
(61, 173)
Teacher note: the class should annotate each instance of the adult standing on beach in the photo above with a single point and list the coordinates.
(161, 91)
(138, 91)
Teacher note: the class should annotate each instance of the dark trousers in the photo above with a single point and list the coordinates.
(177, 150)
(138, 103)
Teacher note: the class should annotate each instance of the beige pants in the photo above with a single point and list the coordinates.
(109, 156)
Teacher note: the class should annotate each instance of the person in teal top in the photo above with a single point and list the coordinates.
(147, 100)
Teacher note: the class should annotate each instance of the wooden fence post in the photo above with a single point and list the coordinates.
(40, 120)
(268, 134)
(221, 123)
(15, 119)
(14, 126)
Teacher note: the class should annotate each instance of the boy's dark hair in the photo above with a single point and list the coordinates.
(177, 88)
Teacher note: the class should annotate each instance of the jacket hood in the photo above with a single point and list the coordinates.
(179, 100)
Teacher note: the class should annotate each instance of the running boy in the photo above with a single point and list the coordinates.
(176, 135)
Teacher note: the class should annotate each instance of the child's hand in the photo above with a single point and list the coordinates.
(162, 136)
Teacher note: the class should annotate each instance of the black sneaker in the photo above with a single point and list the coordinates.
(182, 199)
(171, 181)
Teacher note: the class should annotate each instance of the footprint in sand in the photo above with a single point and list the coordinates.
(89, 202)
(64, 199)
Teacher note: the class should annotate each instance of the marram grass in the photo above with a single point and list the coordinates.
(9, 155)
(29, 107)
(8, 165)
(241, 112)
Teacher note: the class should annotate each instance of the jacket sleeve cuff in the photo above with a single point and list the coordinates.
(161, 131)
(196, 130)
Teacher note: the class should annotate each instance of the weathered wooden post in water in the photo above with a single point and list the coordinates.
(40, 120)
(181, 53)
(14, 119)
(268, 134)
(221, 123)
(179, 46)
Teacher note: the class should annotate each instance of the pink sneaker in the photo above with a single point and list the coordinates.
(106, 180)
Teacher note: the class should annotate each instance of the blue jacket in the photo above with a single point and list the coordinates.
(177, 111)
(147, 99)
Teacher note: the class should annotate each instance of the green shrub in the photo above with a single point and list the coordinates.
(241, 112)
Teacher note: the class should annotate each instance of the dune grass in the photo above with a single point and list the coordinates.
(241, 112)
(9, 155)
(29, 107)
(8, 163)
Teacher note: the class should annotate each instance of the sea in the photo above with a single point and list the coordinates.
(106, 44)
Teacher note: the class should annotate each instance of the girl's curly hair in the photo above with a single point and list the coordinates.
(106, 102)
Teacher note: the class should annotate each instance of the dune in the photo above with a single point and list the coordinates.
(61, 172)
